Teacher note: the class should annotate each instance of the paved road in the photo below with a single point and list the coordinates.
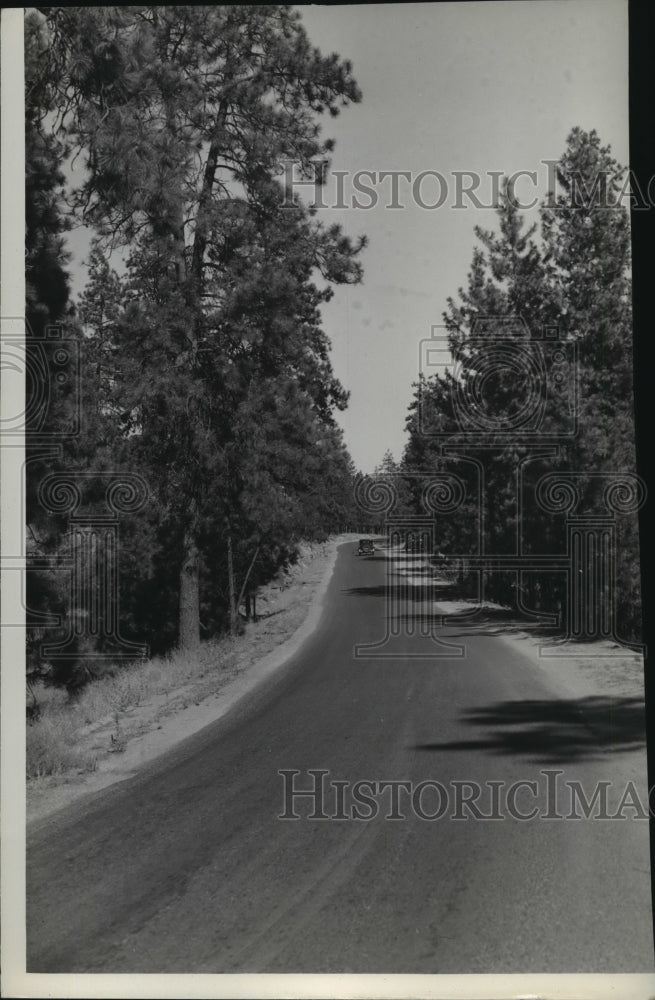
(188, 868)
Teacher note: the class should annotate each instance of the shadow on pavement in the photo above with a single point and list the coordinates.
(554, 731)
(398, 592)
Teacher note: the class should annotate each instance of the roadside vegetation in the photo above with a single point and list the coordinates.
(71, 734)
(186, 398)
(540, 349)
(56, 739)
(188, 392)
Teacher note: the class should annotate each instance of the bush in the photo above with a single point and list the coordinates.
(51, 747)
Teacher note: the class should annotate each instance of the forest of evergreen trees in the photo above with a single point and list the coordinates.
(200, 373)
(197, 397)
(565, 277)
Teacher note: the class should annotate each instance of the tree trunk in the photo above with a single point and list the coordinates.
(230, 577)
(189, 640)
(245, 584)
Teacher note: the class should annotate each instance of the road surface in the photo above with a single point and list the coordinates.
(188, 867)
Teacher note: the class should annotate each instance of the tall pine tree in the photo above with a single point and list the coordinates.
(184, 114)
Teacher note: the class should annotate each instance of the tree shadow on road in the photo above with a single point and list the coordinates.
(481, 620)
(397, 592)
(401, 592)
(554, 731)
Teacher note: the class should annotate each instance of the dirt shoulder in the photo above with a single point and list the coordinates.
(150, 715)
(577, 670)
(115, 747)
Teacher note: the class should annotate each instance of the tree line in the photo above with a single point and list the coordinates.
(201, 366)
(567, 276)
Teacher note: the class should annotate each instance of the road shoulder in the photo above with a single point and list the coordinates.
(161, 722)
(602, 668)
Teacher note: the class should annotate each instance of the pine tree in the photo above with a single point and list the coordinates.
(573, 275)
(184, 114)
(587, 236)
(47, 303)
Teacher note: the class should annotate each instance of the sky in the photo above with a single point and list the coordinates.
(475, 87)
(447, 87)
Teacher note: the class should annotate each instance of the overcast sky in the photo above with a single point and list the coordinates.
(447, 87)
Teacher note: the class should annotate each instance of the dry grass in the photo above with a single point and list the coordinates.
(55, 741)
(52, 747)
(65, 736)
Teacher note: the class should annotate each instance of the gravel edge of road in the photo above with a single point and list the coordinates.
(579, 675)
(598, 669)
(164, 734)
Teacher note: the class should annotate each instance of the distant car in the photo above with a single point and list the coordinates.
(365, 547)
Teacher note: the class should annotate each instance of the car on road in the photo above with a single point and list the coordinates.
(365, 547)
